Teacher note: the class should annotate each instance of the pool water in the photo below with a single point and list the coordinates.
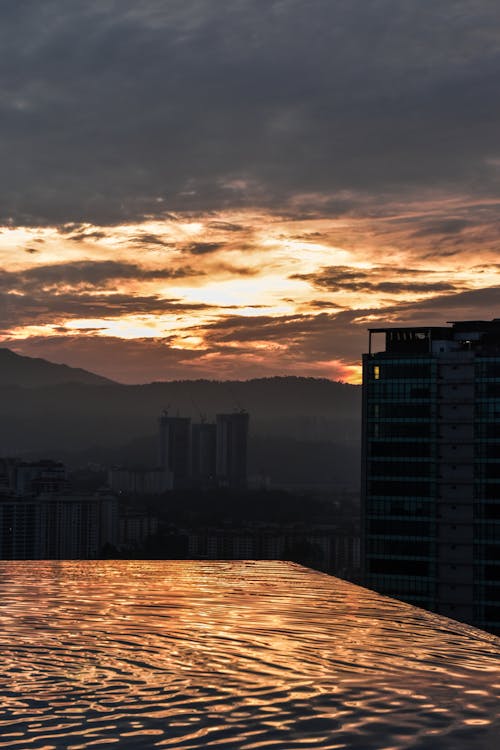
(235, 655)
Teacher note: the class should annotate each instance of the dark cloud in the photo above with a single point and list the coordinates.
(114, 111)
(41, 309)
(227, 226)
(301, 339)
(83, 289)
(474, 304)
(322, 304)
(468, 304)
(397, 287)
(442, 254)
(443, 227)
(227, 268)
(203, 248)
(69, 227)
(84, 274)
(144, 239)
(340, 278)
(87, 235)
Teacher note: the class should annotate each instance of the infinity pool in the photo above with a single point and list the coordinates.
(234, 655)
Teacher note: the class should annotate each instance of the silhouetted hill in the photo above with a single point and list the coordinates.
(30, 372)
(75, 417)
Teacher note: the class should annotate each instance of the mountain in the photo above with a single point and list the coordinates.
(75, 415)
(301, 429)
(30, 372)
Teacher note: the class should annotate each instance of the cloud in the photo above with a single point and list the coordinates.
(443, 227)
(235, 271)
(256, 152)
(325, 344)
(291, 342)
(475, 304)
(112, 112)
(42, 309)
(85, 274)
(341, 336)
(145, 239)
(203, 248)
(227, 226)
(335, 279)
(86, 235)
(472, 304)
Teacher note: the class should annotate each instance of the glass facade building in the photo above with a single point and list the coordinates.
(431, 468)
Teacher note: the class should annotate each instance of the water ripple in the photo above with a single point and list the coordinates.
(236, 655)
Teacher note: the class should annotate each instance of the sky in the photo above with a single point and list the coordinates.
(241, 188)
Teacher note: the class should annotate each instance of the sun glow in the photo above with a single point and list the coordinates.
(265, 290)
(134, 327)
(239, 286)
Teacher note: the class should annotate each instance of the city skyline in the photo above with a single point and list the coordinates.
(237, 190)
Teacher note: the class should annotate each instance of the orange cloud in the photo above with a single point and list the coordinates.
(246, 292)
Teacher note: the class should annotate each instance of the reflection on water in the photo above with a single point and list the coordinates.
(237, 655)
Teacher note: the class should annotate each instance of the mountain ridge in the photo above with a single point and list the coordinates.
(35, 372)
(299, 426)
(77, 415)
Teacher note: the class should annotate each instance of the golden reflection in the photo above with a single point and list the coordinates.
(236, 654)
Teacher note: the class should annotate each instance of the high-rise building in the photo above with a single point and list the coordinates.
(175, 447)
(431, 468)
(232, 445)
(203, 453)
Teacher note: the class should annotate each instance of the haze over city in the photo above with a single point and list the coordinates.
(239, 189)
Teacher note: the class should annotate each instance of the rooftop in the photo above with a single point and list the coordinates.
(480, 336)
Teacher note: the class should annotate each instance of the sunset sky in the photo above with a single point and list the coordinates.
(240, 188)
